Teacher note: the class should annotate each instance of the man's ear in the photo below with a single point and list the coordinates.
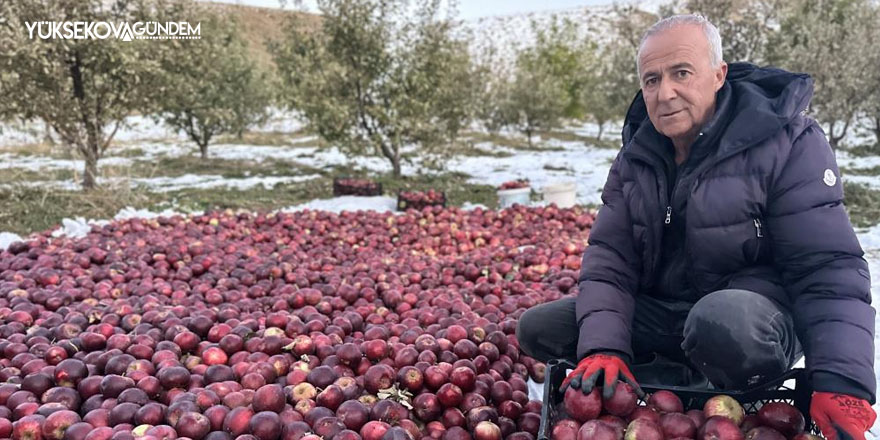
(720, 76)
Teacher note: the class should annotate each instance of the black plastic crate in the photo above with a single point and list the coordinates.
(403, 205)
(341, 188)
(751, 399)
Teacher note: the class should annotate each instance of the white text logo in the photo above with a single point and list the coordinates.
(101, 30)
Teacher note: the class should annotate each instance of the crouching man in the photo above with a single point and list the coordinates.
(723, 244)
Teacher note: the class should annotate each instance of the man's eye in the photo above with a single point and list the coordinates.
(682, 74)
(650, 81)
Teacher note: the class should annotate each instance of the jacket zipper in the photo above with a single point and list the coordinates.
(664, 200)
(668, 216)
(758, 228)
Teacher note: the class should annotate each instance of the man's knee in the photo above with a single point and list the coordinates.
(548, 331)
(733, 315)
(527, 330)
(737, 337)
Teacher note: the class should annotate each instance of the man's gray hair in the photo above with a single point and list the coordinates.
(667, 23)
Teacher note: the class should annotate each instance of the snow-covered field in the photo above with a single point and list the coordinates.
(558, 161)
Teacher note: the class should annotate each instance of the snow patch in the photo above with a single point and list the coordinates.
(186, 181)
(585, 165)
(7, 238)
(348, 203)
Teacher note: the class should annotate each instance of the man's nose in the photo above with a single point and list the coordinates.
(667, 90)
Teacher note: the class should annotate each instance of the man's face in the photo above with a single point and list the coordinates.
(678, 81)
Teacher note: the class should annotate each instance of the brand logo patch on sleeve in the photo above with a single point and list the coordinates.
(830, 179)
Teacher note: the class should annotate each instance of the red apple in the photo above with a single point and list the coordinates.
(623, 401)
(582, 407)
(677, 425)
(597, 430)
(763, 433)
(719, 428)
(565, 429)
(487, 430)
(665, 402)
(782, 417)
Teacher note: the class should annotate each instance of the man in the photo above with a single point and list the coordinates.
(723, 243)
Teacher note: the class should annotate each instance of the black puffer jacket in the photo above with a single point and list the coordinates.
(764, 212)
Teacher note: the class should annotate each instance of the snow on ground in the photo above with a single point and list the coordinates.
(43, 163)
(80, 227)
(348, 203)
(168, 184)
(585, 166)
(7, 238)
(561, 163)
(847, 160)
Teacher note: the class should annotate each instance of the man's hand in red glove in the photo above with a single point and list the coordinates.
(841, 417)
(610, 367)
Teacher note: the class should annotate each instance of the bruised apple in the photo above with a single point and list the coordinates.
(643, 429)
(724, 406)
(597, 430)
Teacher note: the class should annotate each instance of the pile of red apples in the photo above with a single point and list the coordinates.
(307, 325)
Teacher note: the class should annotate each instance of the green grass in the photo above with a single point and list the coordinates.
(42, 149)
(28, 210)
(14, 175)
(863, 204)
(520, 144)
(549, 167)
(128, 152)
(864, 150)
(873, 171)
(32, 209)
(466, 146)
(178, 166)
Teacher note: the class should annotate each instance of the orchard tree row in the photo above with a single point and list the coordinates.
(373, 76)
(84, 89)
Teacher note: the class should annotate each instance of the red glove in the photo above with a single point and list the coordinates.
(610, 367)
(841, 417)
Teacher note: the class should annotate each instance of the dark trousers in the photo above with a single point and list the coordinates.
(734, 338)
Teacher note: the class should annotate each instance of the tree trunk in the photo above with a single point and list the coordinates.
(529, 136)
(601, 129)
(834, 138)
(203, 149)
(392, 153)
(395, 163)
(876, 129)
(90, 171)
(48, 134)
